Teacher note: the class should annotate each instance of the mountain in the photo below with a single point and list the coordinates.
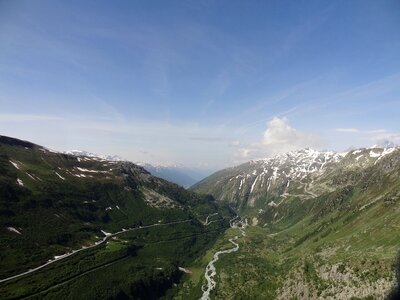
(302, 173)
(73, 221)
(185, 177)
(324, 225)
(93, 155)
(310, 225)
(385, 144)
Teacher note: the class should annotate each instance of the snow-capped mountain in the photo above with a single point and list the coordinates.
(297, 164)
(385, 144)
(94, 155)
(302, 173)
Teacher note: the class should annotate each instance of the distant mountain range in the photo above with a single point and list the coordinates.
(178, 174)
(94, 155)
(183, 176)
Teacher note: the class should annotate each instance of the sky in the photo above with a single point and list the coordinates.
(204, 84)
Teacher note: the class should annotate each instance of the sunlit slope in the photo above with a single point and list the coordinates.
(304, 174)
(319, 232)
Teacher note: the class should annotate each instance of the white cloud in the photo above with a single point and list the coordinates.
(279, 137)
(234, 143)
(377, 131)
(365, 138)
(243, 152)
(24, 118)
(349, 130)
(381, 138)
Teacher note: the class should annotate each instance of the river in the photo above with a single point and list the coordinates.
(211, 271)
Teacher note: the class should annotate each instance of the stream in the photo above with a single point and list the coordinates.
(211, 271)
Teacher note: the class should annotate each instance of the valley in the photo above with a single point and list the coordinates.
(210, 269)
(200, 150)
(302, 225)
(322, 225)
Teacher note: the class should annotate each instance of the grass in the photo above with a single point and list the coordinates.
(352, 232)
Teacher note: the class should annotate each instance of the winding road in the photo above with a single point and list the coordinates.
(210, 269)
(98, 243)
(209, 222)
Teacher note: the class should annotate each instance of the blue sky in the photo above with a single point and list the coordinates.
(205, 84)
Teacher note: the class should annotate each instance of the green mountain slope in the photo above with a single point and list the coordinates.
(52, 204)
(325, 225)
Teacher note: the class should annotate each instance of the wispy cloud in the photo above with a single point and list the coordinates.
(154, 84)
(384, 136)
(350, 130)
(26, 118)
(369, 137)
(373, 89)
(136, 140)
(267, 101)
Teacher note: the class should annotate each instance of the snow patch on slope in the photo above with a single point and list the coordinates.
(60, 176)
(14, 164)
(13, 229)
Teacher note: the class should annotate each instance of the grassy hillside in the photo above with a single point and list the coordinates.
(340, 243)
(52, 204)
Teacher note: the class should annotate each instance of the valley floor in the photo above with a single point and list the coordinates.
(267, 267)
(298, 262)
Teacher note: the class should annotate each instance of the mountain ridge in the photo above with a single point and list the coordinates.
(175, 173)
(294, 170)
(320, 228)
